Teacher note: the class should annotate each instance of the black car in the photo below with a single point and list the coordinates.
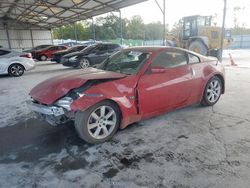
(90, 56)
(58, 55)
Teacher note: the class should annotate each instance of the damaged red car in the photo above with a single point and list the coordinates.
(131, 85)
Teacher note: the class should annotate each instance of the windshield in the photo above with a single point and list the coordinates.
(127, 62)
(89, 48)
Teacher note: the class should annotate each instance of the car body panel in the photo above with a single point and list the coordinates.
(140, 96)
(51, 90)
(13, 57)
(48, 52)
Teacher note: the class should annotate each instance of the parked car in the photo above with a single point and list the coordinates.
(46, 53)
(132, 85)
(58, 55)
(90, 56)
(15, 63)
(40, 47)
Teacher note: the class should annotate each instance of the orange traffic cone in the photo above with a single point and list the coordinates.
(232, 61)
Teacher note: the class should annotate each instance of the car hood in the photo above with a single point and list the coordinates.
(52, 89)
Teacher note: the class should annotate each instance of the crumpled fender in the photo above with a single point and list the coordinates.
(115, 91)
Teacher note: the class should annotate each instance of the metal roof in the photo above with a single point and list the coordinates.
(54, 13)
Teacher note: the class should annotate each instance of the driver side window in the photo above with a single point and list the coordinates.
(170, 59)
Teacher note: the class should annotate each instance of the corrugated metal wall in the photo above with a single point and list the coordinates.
(240, 42)
(24, 39)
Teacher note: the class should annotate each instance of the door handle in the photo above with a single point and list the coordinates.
(192, 72)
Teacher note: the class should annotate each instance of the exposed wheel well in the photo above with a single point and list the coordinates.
(115, 103)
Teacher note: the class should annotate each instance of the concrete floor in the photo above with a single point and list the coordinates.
(193, 147)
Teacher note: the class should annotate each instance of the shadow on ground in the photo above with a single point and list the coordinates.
(33, 139)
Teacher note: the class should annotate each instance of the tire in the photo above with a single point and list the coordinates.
(198, 47)
(16, 70)
(43, 58)
(212, 92)
(93, 127)
(84, 63)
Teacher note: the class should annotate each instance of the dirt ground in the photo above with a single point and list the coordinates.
(193, 147)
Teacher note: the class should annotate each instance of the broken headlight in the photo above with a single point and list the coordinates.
(65, 102)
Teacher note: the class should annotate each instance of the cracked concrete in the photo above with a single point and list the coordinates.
(193, 147)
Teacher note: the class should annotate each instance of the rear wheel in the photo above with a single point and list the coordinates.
(43, 58)
(84, 63)
(212, 91)
(198, 47)
(16, 70)
(99, 123)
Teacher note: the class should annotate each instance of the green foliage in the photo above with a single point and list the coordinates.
(153, 31)
(136, 28)
(109, 27)
(240, 31)
(79, 31)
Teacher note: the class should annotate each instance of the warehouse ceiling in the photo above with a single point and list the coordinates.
(55, 13)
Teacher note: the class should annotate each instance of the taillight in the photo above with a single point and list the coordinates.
(28, 55)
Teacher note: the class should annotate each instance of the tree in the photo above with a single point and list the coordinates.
(135, 28)
(153, 31)
(78, 30)
(109, 27)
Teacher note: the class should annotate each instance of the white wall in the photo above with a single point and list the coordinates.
(24, 39)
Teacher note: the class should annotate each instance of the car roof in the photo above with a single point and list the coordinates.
(150, 48)
(5, 49)
(159, 48)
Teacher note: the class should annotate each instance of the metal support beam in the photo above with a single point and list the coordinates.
(8, 37)
(93, 29)
(163, 10)
(75, 32)
(223, 29)
(32, 39)
(51, 34)
(61, 34)
(120, 15)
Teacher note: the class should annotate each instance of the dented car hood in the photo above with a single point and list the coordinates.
(53, 89)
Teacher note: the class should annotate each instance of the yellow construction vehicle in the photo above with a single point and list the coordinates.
(197, 34)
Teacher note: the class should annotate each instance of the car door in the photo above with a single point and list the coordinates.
(99, 54)
(4, 60)
(168, 89)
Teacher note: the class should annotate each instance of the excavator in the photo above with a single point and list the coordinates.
(197, 34)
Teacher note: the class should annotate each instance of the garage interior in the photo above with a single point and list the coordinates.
(191, 147)
(28, 23)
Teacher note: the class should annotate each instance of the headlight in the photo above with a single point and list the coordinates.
(73, 59)
(65, 102)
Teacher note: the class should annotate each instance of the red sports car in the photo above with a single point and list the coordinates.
(132, 85)
(47, 53)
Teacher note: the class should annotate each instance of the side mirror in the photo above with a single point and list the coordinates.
(157, 70)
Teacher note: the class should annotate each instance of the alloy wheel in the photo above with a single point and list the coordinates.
(84, 63)
(213, 91)
(101, 122)
(16, 70)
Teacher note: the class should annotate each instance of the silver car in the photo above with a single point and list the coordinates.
(15, 63)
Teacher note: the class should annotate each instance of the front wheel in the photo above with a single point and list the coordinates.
(99, 123)
(212, 91)
(84, 63)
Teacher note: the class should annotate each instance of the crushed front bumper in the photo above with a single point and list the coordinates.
(46, 110)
